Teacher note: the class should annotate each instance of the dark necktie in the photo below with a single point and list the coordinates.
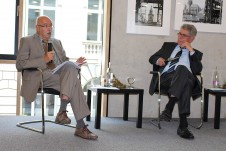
(48, 47)
(174, 62)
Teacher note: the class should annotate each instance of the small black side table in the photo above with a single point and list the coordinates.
(218, 93)
(108, 91)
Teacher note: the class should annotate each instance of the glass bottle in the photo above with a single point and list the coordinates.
(110, 76)
(216, 83)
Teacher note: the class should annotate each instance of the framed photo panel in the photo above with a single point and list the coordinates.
(151, 17)
(206, 15)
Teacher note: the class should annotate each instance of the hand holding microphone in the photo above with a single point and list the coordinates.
(50, 52)
(49, 56)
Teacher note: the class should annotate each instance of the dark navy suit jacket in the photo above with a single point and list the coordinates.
(165, 52)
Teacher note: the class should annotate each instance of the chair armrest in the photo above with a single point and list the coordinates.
(159, 88)
(154, 72)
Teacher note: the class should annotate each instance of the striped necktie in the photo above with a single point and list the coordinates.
(174, 62)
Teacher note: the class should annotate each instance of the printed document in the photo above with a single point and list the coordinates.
(62, 64)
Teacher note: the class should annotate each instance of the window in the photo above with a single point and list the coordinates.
(73, 21)
(8, 50)
(78, 24)
(9, 29)
(92, 27)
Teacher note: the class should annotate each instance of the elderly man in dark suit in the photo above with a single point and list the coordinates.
(33, 54)
(178, 78)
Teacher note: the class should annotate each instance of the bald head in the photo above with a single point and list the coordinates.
(44, 27)
(41, 19)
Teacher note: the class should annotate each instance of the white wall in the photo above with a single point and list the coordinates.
(130, 53)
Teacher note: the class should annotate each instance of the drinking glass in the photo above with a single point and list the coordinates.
(131, 81)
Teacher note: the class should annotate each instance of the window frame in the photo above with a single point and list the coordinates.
(13, 56)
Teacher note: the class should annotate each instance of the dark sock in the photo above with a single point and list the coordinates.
(183, 121)
(63, 105)
(80, 123)
(170, 105)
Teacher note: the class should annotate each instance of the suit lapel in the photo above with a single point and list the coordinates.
(171, 48)
(38, 45)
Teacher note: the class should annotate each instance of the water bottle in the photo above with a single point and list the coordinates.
(110, 76)
(216, 83)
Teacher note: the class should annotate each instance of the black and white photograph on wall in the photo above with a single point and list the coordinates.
(150, 17)
(203, 11)
(149, 13)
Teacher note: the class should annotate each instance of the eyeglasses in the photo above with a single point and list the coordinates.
(46, 26)
(183, 35)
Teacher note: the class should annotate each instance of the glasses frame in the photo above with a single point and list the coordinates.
(46, 26)
(183, 35)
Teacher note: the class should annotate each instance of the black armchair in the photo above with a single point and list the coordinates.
(159, 101)
(42, 90)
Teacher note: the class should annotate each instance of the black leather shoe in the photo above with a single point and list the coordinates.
(166, 115)
(185, 133)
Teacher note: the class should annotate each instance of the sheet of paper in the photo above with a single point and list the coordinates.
(62, 64)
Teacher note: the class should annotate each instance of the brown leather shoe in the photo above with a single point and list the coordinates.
(62, 118)
(85, 133)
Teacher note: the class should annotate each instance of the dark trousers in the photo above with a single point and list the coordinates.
(179, 83)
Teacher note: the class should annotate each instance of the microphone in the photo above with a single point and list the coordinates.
(50, 48)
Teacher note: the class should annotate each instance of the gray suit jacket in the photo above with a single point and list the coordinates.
(30, 55)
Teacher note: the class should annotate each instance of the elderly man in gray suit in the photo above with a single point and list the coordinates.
(32, 54)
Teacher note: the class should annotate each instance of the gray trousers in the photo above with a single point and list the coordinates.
(66, 81)
(179, 83)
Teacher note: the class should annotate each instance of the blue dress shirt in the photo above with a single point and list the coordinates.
(183, 60)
